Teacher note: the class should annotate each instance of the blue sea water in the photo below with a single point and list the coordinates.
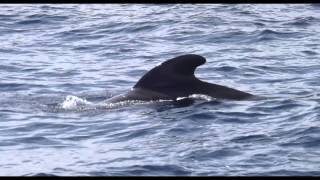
(60, 62)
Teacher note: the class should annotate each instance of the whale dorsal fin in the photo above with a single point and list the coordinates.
(172, 72)
(185, 64)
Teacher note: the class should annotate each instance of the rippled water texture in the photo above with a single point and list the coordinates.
(59, 63)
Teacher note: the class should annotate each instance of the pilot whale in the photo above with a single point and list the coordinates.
(174, 79)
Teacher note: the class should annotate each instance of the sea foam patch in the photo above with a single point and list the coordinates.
(73, 102)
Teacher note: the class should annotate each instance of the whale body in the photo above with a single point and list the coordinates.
(175, 78)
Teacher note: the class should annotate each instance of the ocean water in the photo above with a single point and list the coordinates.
(60, 62)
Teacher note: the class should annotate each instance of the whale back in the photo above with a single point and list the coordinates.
(175, 78)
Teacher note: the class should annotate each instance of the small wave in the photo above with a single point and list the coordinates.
(302, 21)
(48, 17)
(9, 68)
(140, 28)
(268, 34)
(226, 68)
(12, 86)
(208, 154)
(285, 172)
(307, 131)
(36, 140)
(31, 22)
(255, 138)
(41, 19)
(147, 170)
(6, 16)
(79, 33)
(310, 53)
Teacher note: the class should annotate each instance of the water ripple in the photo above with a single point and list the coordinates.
(59, 63)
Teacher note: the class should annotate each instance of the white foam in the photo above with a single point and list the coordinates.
(198, 96)
(73, 102)
(201, 96)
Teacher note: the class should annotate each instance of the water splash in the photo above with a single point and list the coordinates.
(74, 102)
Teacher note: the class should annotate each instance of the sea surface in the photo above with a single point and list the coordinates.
(59, 63)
